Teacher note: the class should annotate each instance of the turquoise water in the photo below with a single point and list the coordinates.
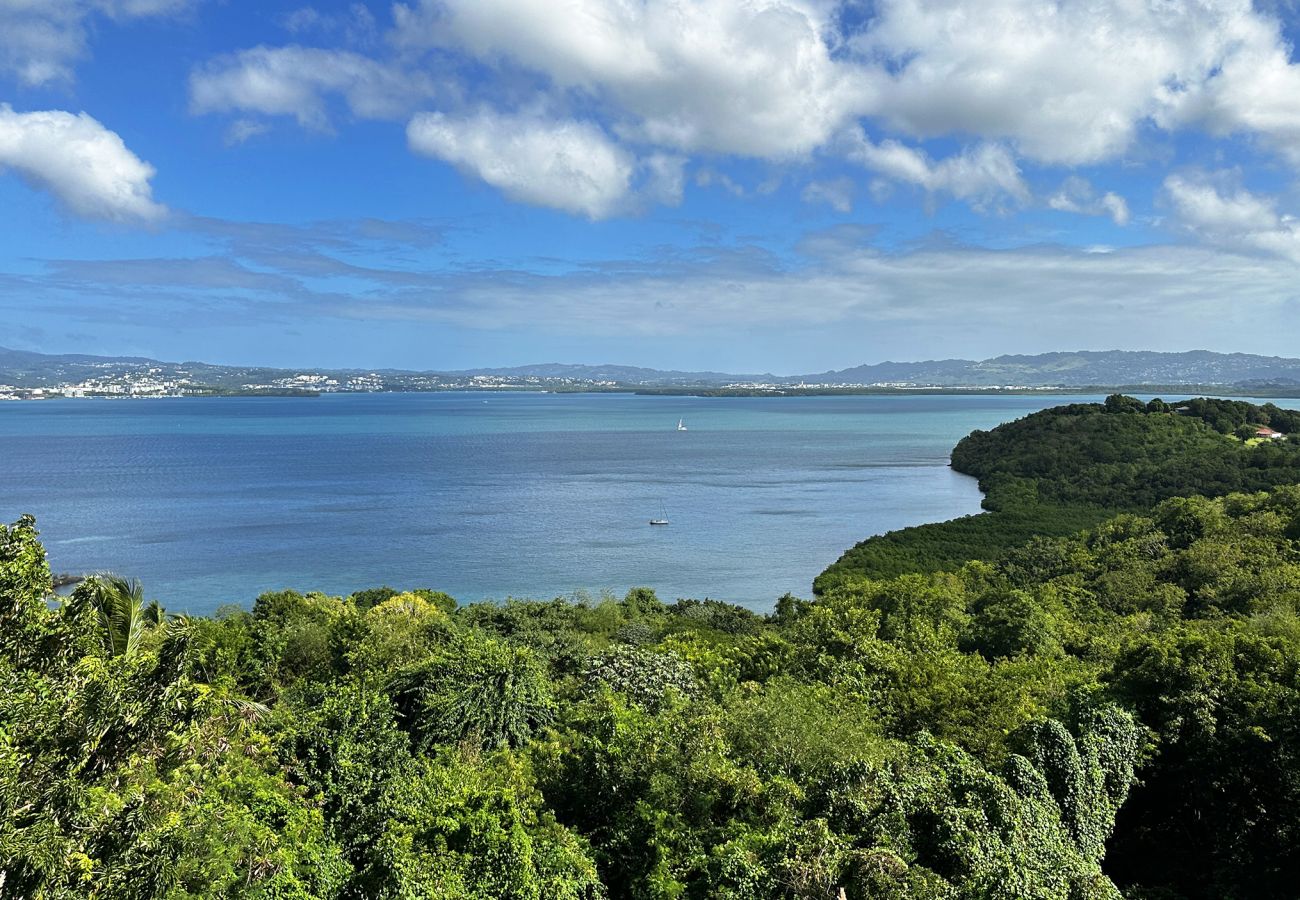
(482, 495)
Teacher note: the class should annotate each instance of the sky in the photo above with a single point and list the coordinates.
(738, 185)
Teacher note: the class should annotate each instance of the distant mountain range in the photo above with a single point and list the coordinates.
(1111, 368)
(1083, 369)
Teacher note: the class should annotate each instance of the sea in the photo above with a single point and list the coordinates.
(487, 496)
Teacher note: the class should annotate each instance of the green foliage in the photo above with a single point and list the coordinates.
(1088, 776)
(947, 546)
(120, 777)
(480, 692)
(475, 828)
(718, 616)
(642, 603)
(364, 600)
(1066, 469)
(24, 574)
(24, 584)
(341, 743)
(560, 631)
(1010, 622)
(636, 634)
(302, 635)
(937, 824)
(647, 678)
(120, 612)
(794, 729)
(400, 631)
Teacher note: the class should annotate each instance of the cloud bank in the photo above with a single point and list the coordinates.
(1013, 82)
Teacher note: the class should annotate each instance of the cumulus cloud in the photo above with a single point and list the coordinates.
(746, 77)
(985, 175)
(1211, 208)
(567, 165)
(1068, 82)
(80, 161)
(1077, 195)
(41, 39)
(1015, 82)
(1253, 87)
(298, 82)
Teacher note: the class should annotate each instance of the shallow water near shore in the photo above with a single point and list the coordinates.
(212, 501)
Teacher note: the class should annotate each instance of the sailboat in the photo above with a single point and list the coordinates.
(663, 516)
(681, 425)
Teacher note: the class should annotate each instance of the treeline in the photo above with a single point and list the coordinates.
(1114, 711)
(1069, 467)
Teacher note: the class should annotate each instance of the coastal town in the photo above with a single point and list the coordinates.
(156, 382)
(153, 383)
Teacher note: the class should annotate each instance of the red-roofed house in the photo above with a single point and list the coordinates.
(1269, 433)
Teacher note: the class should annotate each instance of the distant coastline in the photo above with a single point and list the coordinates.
(37, 394)
(1216, 390)
(32, 375)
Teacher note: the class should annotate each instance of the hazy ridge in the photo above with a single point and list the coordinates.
(26, 369)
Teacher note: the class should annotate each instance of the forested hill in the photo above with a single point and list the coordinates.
(1115, 711)
(1066, 468)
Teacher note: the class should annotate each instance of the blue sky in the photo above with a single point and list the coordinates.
(745, 185)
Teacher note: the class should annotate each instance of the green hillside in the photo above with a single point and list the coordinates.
(1060, 470)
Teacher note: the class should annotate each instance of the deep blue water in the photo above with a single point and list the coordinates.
(212, 501)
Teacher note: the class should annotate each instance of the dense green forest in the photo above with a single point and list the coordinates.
(1110, 714)
(1061, 470)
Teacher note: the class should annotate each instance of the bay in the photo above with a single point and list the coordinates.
(484, 496)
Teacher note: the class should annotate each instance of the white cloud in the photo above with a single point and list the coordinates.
(356, 25)
(41, 39)
(708, 177)
(745, 77)
(1017, 82)
(242, 130)
(297, 81)
(567, 165)
(1252, 87)
(923, 304)
(1069, 82)
(836, 193)
(842, 295)
(1215, 211)
(80, 161)
(665, 178)
(985, 175)
(1076, 195)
